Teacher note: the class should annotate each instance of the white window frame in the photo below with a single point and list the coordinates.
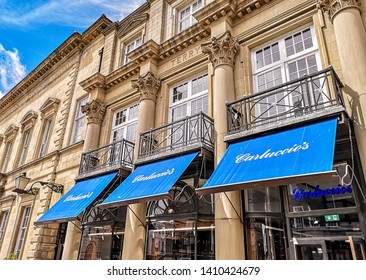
(78, 124)
(25, 146)
(189, 15)
(190, 96)
(8, 150)
(4, 217)
(130, 120)
(46, 132)
(22, 231)
(134, 45)
(285, 60)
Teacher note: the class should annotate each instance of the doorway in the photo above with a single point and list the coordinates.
(329, 248)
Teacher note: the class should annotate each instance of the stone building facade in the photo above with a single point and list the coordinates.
(134, 117)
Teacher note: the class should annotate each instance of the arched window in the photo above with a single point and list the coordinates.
(181, 227)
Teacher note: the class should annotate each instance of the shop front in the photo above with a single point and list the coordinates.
(303, 193)
(179, 224)
(101, 229)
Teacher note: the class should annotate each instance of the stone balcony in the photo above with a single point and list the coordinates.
(112, 157)
(193, 133)
(306, 99)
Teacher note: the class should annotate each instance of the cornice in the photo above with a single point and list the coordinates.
(130, 23)
(96, 29)
(8, 197)
(231, 9)
(124, 73)
(183, 40)
(214, 11)
(245, 7)
(51, 104)
(297, 13)
(147, 51)
(11, 132)
(143, 9)
(28, 120)
(95, 81)
(75, 42)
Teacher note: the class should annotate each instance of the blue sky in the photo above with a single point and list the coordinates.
(31, 30)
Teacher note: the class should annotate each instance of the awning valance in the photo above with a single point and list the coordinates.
(76, 200)
(293, 156)
(149, 182)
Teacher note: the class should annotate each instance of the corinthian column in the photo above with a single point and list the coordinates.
(350, 35)
(94, 111)
(229, 237)
(135, 230)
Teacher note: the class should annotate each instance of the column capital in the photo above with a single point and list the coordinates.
(221, 50)
(335, 6)
(148, 86)
(94, 111)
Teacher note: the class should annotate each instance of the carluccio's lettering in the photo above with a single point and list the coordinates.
(301, 194)
(269, 153)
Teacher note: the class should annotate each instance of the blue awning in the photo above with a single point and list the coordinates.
(294, 156)
(74, 202)
(149, 182)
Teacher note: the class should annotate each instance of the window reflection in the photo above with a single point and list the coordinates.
(181, 227)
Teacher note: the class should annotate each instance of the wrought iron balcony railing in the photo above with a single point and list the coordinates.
(192, 132)
(315, 93)
(117, 155)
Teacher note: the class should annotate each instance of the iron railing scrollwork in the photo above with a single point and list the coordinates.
(311, 93)
(193, 130)
(115, 155)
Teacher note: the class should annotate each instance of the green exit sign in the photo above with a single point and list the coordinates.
(331, 218)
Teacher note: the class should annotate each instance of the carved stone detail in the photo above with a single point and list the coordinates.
(11, 132)
(221, 50)
(335, 6)
(148, 86)
(94, 111)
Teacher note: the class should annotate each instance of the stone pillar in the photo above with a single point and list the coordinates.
(94, 111)
(229, 237)
(350, 35)
(135, 229)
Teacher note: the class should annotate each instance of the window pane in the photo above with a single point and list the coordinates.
(24, 148)
(289, 46)
(179, 112)
(199, 84)
(7, 157)
(22, 231)
(45, 137)
(78, 122)
(3, 223)
(131, 132)
(120, 117)
(275, 52)
(180, 92)
(186, 18)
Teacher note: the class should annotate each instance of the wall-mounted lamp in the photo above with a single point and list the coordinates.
(21, 181)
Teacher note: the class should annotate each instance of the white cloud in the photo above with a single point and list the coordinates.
(11, 69)
(78, 13)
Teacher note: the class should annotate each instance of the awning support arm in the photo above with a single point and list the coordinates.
(240, 218)
(136, 216)
(79, 228)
